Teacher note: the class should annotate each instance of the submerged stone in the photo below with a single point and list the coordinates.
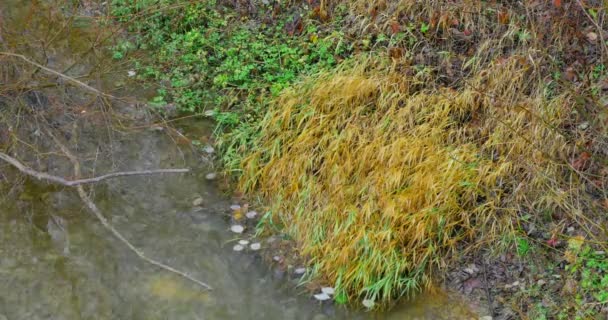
(237, 228)
(322, 296)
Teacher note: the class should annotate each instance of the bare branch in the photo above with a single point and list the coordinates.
(59, 74)
(72, 183)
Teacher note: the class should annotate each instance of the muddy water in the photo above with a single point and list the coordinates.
(58, 262)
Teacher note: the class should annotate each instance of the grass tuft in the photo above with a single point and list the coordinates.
(379, 181)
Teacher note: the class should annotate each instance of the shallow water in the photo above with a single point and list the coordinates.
(58, 262)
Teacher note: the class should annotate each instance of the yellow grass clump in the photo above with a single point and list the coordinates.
(379, 181)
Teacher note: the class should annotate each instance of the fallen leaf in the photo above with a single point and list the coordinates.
(552, 242)
(395, 27)
(557, 3)
(503, 17)
(581, 162)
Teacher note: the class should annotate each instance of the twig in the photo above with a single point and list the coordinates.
(91, 205)
(59, 74)
(71, 183)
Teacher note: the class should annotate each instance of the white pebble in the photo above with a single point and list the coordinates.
(251, 214)
(276, 258)
(368, 303)
(197, 202)
(322, 296)
(237, 228)
(255, 246)
(211, 176)
(131, 73)
(244, 242)
(208, 149)
(300, 270)
(328, 290)
(238, 247)
(235, 207)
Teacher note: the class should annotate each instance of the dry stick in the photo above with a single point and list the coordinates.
(87, 200)
(71, 183)
(59, 74)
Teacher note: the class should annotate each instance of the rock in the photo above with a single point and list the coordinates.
(368, 303)
(211, 176)
(276, 258)
(255, 246)
(235, 207)
(300, 271)
(209, 113)
(131, 73)
(197, 202)
(208, 149)
(238, 248)
(322, 296)
(328, 290)
(251, 214)
(244, 242)
(237, 228)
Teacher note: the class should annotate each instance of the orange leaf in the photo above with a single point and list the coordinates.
(557, 3)
(395, 27)
(503, 17)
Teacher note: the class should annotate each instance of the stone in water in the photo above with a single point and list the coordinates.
(300, 270)
(238, 248)
(211, 176)
(237, 228)
(197, 202)
(322, 296)
(368, 303)
(328, 290)
(244, 242)
(251, 214)
(255, 246)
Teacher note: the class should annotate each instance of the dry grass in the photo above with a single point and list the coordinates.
(379, 181)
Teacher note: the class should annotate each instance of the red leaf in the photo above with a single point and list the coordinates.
(552, 242)
(581, 162)
(395, 27)
(557, 3)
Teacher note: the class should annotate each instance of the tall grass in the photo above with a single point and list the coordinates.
(379, 179)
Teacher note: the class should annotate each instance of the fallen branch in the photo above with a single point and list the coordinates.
(59, 74)
(91, 205)
(72, 183)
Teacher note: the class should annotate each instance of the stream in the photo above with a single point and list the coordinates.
(58, 262)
